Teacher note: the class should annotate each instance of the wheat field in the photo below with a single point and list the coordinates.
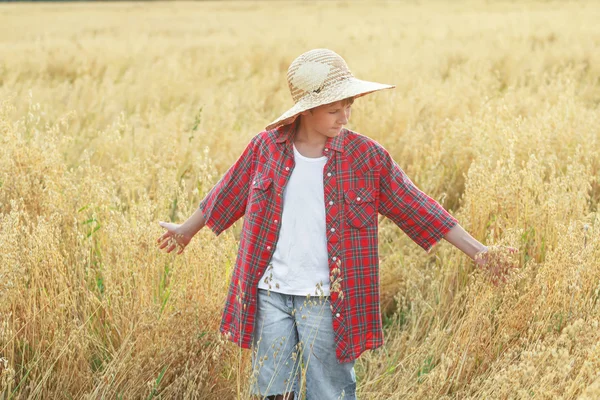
(114, 116)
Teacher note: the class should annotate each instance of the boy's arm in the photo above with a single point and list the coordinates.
(464, 241)
(193, 224)
(496, 260)
(422, 218)
(425, 221)
(225, 203)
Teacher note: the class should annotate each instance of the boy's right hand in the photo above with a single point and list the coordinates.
(174, 236)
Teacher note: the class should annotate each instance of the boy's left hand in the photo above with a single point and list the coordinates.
(498, 261)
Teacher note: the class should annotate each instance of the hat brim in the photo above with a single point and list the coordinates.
(348, 88)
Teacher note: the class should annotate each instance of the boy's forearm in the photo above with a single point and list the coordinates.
(463, 241)
(194, 223)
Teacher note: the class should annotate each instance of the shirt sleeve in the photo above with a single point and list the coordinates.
(422, 218)
(225, 203)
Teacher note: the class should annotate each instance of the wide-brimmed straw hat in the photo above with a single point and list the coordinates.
(321, 76)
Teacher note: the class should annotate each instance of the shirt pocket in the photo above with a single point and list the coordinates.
(360, 206)
(259, 194)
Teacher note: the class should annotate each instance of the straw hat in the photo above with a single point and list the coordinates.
(321, 76)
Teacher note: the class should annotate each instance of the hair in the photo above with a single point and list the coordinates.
(345, 102)
(348, 100)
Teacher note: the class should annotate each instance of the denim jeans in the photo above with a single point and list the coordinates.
(290, 331)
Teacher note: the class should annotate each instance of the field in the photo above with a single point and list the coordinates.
(114, 116)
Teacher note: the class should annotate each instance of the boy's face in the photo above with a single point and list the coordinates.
(328, 119)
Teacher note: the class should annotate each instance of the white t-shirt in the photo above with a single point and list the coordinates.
(299, 260)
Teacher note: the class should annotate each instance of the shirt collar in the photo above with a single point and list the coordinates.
(285, 132)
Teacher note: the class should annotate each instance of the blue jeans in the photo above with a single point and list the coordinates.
(289, 330)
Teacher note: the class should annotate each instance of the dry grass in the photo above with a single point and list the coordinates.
(114, 116)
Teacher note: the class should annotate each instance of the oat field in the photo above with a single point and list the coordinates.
(114, 116)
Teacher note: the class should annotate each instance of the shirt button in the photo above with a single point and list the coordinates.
(334, 258)
(358, 199)
(329, 174)
(326, 149)
(331, 203)
(287, 168)
(254, 182)
(268, 247)
(332, 229)
(337, 315)
(275, 221)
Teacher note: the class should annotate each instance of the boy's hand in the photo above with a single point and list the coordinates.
(173, 237)
(498, 261)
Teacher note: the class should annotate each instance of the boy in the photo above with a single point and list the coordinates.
(310, 192)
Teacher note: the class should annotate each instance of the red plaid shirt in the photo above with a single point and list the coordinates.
(360, 180)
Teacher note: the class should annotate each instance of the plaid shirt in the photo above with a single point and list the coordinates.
(360, 180)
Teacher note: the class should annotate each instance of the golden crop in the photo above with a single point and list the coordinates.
(116, 115)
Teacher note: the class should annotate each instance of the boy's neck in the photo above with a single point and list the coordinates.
(309, 137)
(309, 142)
